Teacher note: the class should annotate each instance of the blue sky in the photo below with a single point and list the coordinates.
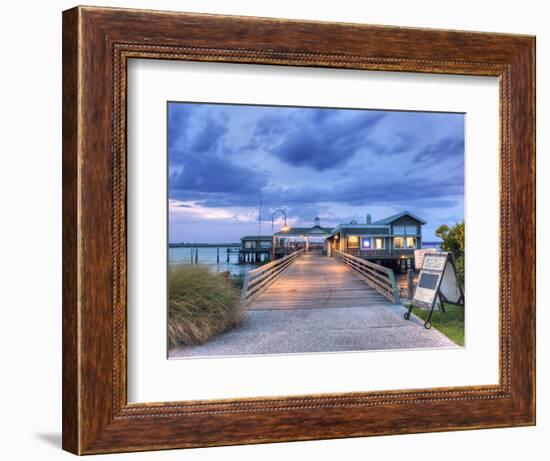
(337, 164)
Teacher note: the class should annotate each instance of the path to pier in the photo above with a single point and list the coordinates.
(319, 305)
(318, 282)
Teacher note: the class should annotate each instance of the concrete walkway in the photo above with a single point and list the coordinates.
(319, 305)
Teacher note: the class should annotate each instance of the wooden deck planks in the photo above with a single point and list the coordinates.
(316, 281)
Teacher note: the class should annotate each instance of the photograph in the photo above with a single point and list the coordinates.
(295, 230)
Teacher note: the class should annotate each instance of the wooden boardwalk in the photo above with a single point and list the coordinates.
(315, 282)
(318, 305)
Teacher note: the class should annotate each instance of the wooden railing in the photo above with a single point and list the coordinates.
(381, 253)
(258, 280)
(378, 277)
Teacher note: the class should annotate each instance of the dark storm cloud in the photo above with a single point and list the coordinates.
(179, 118)
(209, 136)
(315, 161)
(271, 125)
(213, 173)
(430, 193)
(193, 129)
(398, 143)
(441, 150)
(200, 162)
(362, 193)
(315, 138)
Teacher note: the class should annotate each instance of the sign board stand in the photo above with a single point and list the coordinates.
(436, 285)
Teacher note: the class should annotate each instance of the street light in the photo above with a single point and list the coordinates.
(285, 228)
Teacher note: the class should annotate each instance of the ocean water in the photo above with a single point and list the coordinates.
(436, 245)
(208, 256)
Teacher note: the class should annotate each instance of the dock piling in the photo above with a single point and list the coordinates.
(410, 275)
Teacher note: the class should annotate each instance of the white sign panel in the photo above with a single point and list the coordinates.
(449, 290)
(429, 280)
(435, 262)
(437, 277)
(419, 256)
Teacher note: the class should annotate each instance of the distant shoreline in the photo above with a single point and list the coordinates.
(203, 245)
(227, 245)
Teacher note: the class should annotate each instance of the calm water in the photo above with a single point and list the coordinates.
(436, 245)
(208, 256)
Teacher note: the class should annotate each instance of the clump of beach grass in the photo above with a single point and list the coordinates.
(201, 304)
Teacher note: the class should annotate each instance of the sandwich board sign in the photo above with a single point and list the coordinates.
(419, 256)
(436, 284)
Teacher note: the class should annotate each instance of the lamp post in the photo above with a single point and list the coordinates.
(284, 229)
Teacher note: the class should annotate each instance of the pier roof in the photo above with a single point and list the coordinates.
(257, 237)
(380, 227)
(315, 231)
(395, 217)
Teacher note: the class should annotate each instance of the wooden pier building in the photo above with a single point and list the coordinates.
(389, 241)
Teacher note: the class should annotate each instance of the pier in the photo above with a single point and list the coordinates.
(307, 302)
(307, 279)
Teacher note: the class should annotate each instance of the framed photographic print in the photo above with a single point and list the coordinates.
(284, 230)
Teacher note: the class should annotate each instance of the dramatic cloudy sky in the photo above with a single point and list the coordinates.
(333, 163)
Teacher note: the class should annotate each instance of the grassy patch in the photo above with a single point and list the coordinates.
(200, 304)
(450, 322)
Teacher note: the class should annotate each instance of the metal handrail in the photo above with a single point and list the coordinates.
(378, 277)
(258, 280)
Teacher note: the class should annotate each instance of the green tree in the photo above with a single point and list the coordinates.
(453, 241)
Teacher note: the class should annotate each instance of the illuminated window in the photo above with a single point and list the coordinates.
(411, 242)
(379, 243)
(353, 241)
(366, 243)
(398, 243)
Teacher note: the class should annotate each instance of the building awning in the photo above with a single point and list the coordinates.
(315, 231)
(265, 238)
(395, 217)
